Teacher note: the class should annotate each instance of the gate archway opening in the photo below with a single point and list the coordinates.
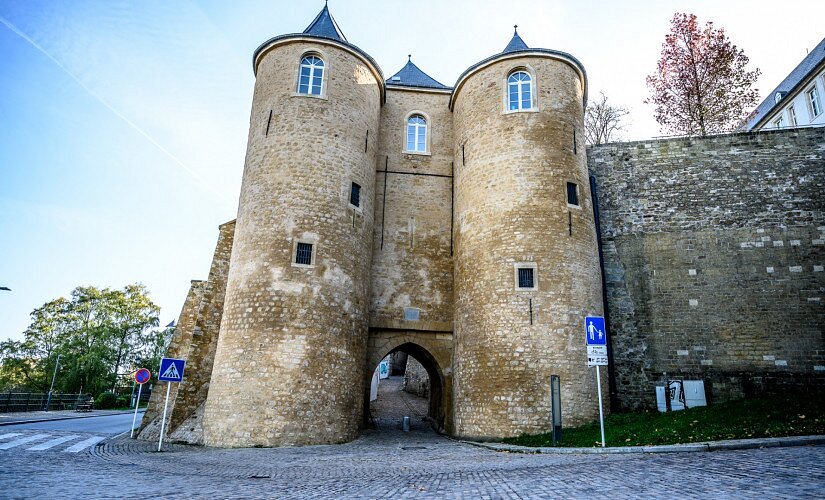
(417, 393)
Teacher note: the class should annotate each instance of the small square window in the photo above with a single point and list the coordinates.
(525, 274)
(355, 195)
(525, 278)
(303, 254)
(573, 193)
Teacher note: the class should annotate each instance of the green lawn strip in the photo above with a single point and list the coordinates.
(741, 419)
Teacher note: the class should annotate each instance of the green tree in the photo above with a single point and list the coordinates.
(130, 315)
(97, 332)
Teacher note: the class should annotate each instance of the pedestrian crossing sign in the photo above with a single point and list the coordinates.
(171, 370)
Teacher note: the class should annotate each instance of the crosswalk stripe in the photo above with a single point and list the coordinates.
(23, 440)
(84, 444)
(9, 435)
(53, 442)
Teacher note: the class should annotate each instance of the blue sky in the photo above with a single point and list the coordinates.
(123, 124)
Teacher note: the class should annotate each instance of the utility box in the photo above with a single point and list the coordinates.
(682, 393)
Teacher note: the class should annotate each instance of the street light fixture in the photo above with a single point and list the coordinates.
(49, 398)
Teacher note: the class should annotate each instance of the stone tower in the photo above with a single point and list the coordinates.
(526, 260)
(289, 364)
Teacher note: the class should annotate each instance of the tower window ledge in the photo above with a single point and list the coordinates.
(322, 97)
(517, 111)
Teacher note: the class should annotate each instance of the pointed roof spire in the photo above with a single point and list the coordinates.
(516, 43)
(412, 76)
(324, 25)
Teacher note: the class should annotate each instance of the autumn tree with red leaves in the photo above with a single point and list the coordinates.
(701, 86)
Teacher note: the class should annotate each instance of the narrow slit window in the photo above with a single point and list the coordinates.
(572, 193)
(526, 278)
(303, 254)
(355, 195)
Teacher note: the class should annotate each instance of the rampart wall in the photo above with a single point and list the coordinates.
(713, 252)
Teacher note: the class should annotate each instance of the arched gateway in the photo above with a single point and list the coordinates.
(433, 350)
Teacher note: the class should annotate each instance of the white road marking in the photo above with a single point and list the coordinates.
(9, 435)
(53, 442)
(23, 440)
(84, 444)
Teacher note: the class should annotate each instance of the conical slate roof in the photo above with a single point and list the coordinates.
(516, 43)
(412, 76)
(324, 25)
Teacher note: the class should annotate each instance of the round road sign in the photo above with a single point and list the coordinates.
(142, 376)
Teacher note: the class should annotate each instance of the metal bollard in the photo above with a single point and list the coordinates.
(406, 425)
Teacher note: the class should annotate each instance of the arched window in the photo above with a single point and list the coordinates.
(520, 90)
(417, 134)
(311, 79)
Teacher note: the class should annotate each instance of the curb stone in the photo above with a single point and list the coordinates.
(733, 444)
(72, 417)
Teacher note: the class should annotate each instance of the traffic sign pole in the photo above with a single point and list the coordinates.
(134, 418)
(601, 415)
(163, 421)
(595, 338)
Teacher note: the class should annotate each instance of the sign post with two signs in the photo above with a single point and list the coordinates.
(595, 334)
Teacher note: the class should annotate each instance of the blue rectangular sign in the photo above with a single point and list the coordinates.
(595, 331)
(171, 370)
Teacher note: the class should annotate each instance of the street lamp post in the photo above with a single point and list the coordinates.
(49, 397)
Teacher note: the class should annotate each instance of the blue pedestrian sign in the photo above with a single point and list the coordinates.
(594, 330)
(171, 370)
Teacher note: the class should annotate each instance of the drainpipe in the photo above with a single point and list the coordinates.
(611, 367)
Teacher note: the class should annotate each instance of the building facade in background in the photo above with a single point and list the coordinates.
(469, 228)
(799, 100)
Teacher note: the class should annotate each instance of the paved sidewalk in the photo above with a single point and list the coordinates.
(395, 464)
(393, 404)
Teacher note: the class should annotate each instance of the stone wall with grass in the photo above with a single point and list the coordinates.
(714, 251)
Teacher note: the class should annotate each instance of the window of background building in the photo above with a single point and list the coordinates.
(791, 116)
(311, 78)
(417, 134)
(813, 102)
(778, 123)
(303, 254)
(520, 91)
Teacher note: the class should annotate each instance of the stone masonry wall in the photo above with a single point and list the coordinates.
(195, 340)
(185, 423)
(714, 251)
(412, 261)
(178, 348)
(295, 336)
(416, 380)
(511, 174)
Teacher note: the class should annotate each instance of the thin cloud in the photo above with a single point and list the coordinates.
(117, 113)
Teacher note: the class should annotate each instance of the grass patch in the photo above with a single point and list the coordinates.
(741, 419)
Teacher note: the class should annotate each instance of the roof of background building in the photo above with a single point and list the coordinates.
(412, 76)
(324, 25)
(788, 85)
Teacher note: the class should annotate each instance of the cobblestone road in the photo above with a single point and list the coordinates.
(404, 465)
